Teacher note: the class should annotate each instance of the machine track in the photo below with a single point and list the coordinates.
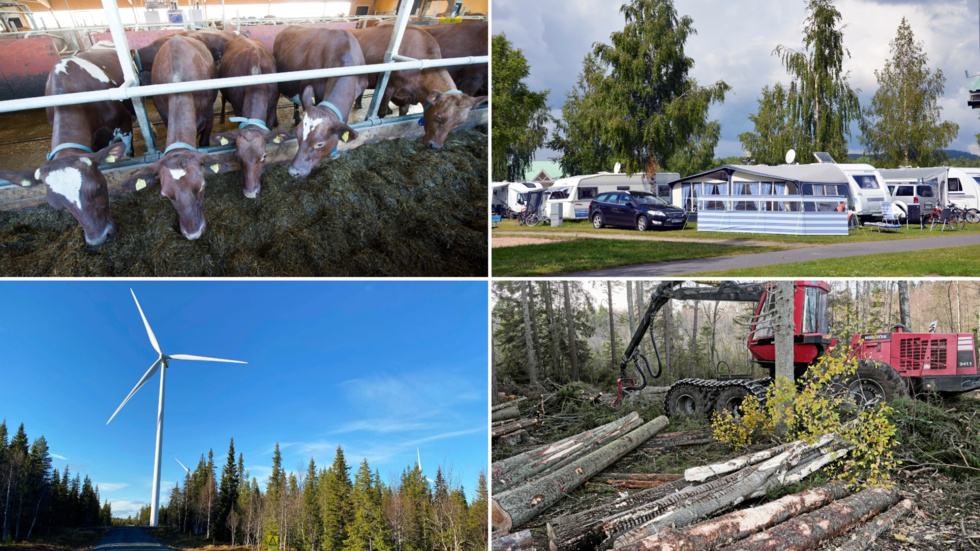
(710, 388)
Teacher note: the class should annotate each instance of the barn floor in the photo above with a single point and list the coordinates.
(395, 208)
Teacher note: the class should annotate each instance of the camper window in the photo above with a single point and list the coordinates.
(954, 184)
(866, 181)
(587, 193)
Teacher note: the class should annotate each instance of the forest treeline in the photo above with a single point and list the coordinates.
(34, 499)
(323, 509)
(534, 322)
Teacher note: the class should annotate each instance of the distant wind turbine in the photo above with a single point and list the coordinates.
(182, 465)
(420, 466)
(163, 360)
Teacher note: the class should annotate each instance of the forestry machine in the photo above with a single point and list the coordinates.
(889, 364)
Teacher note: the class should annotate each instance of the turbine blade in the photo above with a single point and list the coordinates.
(153, 338)
(203, 359)
(146, 377)
(420, 459)
(182, 465)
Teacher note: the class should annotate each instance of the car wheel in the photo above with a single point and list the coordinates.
(642, 223)
(597, 220)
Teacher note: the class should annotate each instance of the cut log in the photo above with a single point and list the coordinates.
(513, 471)
(698, 474)
(745, 483)
(636, 484)
(515, 507)
(514, 438)
(740, 524)
(513, 426)
(810, 530)
(505, 405)
(507, 413)
(646, 476)
(513, 542)
(862, 538)
(583, 530)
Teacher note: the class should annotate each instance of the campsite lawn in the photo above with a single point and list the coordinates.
(945, 261)
(578, 255)
(690, 232)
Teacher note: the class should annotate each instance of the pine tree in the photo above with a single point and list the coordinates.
(335, 492)
(227, 492)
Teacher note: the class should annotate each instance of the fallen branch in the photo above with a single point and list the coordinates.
(810, 530)
(740, 524)
(863, 537)
(513, 471)
(515, 507)
(512, 542)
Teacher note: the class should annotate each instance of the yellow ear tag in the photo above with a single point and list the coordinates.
(110, 159)
(345, 136)
(25, 183)
(224, 141)
(140, 184)
(276, 139)
(215, 168)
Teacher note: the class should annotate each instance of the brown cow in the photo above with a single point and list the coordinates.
(446, 106)
(214, 40)
(465, 39)
(255, 107)
(71, 173)
(324, 124)
(181, 170)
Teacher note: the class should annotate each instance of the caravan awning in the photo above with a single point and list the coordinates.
(810, 174)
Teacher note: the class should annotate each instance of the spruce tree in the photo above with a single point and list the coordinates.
(478, 514)
(335, 491)
(367, 528)
(227, 492)
(310, 519)
(416, 503)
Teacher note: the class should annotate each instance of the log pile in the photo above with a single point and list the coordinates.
(635, 481)
(506, 424)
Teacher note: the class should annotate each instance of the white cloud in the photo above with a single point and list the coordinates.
(125, 508)
(111, 486)
(61, 457)
(444, 436)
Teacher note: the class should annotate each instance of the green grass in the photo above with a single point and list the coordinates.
(690, 232)
(945, 261)
(594, 254)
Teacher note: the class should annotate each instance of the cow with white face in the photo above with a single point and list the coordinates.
(80, 140)
(74, 183)
(319, 134)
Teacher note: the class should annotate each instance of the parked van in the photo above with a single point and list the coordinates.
(576, 192)
(956, 185)
(509, 197)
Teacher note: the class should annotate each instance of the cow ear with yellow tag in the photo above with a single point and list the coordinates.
(276, 137)
(346, 133)
(111, 154)
(223, 138)
(142, 179)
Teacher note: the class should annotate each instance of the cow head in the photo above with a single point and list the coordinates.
(181, 175)
(250, 143)
(317, 135)
(445, 112)
(75, 184)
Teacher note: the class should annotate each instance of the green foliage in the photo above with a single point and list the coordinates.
(227, 492)
(775, 129)
(902, 125)
(519, 115)
(822, 103)
(335, 495)
(636, 103)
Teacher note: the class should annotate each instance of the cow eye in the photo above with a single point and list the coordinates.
(262, 160)
(319, 145)
(438, 118)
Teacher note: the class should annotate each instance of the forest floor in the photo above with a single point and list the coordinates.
(938, 446)
(67, 540)
(189, 542)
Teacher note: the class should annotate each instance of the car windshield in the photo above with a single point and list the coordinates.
(648, 200)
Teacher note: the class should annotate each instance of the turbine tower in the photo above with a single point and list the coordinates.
(162, 359)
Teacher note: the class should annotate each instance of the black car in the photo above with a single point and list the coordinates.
(635, 209)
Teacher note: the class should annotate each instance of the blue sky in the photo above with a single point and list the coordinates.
(379, 368)
(735, 41)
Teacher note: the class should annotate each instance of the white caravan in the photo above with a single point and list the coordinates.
(576, 192)
(957, 185)
(509, 197)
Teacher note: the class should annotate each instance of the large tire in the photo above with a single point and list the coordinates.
(730, 399)
(597, 221)
(874, 381)
(685, 399)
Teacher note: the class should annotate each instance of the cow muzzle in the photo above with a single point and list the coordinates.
(298, 173)
(99, 238)
(195, 234)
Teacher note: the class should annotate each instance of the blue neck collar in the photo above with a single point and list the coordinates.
(178, 145)
(422, 120)
(68, 145)
(331, 107)
(245, 121)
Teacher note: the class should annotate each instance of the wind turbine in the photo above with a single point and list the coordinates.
(420, 466)
(182, 465)
(164, 360)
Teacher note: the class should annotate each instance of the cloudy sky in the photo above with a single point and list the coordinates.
(735, 41)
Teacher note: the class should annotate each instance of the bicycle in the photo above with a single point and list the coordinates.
(526, 218)
(952, 215)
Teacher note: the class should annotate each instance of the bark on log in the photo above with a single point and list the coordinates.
(506, 413)
(862, 538)
(740, 524)
(517, 506)
(514, 438)
(513, 542)
(506, 405)
(582, 530)
(635, 484)
(704, 472)
(513, 427)
(746, 482)
(810, 530)
(511, 472)
(646, 476)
